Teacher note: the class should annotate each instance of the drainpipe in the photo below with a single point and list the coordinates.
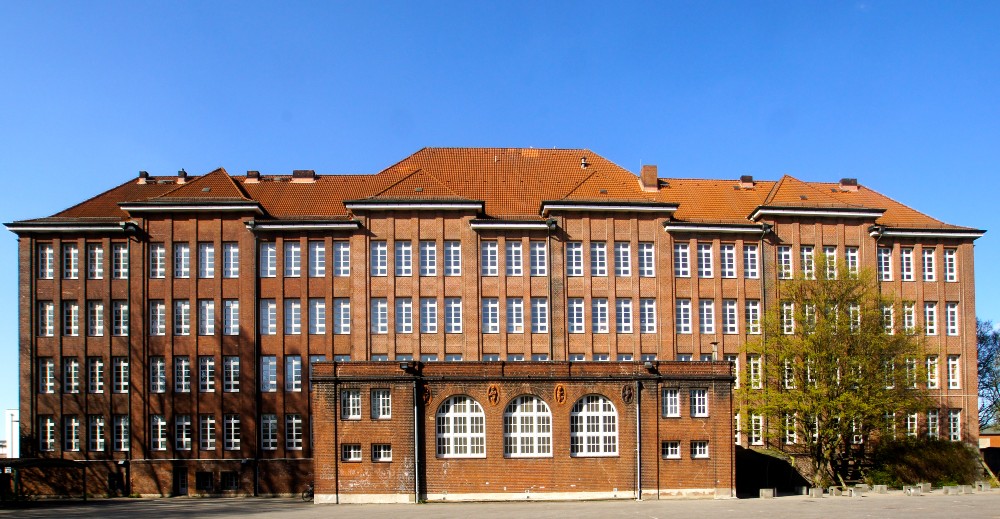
(416, 447)
(550, 225)
(638, 441)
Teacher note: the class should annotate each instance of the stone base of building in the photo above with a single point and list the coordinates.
(363, 499)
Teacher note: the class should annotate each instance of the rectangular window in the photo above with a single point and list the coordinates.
(787, 318)
(268, 260)
(380, 315)
(930, 273)
(95, 375)
(231, 432)
(705, 267)
(647, 265)
(751, 262)
(71, 375)
(830, 258)
(46, 319)
(206, 317)
(95, 318)
(206, 260)
(95, 261)
(381, 452)
(574, 258)
(452, 258)
(623, 259)
(404, 315)
(784, 262)
(157, 260)
(206, 432)
(293, 316)
(381, 404)
(488, 258)
(955, 425)
(727, 260)
(911, 425)
(682, 318)
(71, 262)
(933, 423)
(932, 372)
(851, 258)
(293, 432)
(756, 429)
(491, 315)
(230, 260)
(453, 315)
(909, 318)
(671, 403)
(574, 315)
(71, 318)
(269, 432)
(182, 432)
(379, 258)
(599, 315)
(317, 259)
(157, 432)
(951, 318)
(119, 374)
(182, 260)
(293, 373)
(539, 315)
(231, 374)
(268, 317)
(182, 374)
(342, 259)
(954, 372)
(791, 437)
(735, 361)
(95, 433)
(231, 317)
(341, 316)
(729, 319)
(206, 374)
(350, 452)
(515, 315)
(119, 261)
(350, 404)
(623, 315)
(670, 450)
(755, 372)
(699, 449)
(293, 259)
(268, 374)
(46, 433)
(950, 265)
(404, 258)
(46, 261)
(71, 433)
(428, 258)
(699, 403)
(182, 317)
(888, 319)
(538, 257)
(514, 258)
(46, 375)
(884, 264)
(930, 318)
(317, 316)
(647, 315)
(598, 259)
(706, 316)
(906, 264)
(808, 260)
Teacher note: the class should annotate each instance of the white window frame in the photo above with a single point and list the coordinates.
(317, 258)
(787, 318)
(182, 432)
(598, 259)
(380, 315)
(404, 315)
(539, 315)
(341, 316)
(647, 315)
(95, 261)
(706, 266)
(95, 318)
(884, 256)
(231, 316)
(830, 256)
(268, 317)
(955, 425)
(379, 252)
(453, 315)
(230, 260)
(784, 263)
(452, 258)
(527, 428)
(730, 317)
(182, 374)
(933, 424)
(119, 375)
(699, 402)
(182, 260)
(342, 258)
(230, 374)
(317, 316)
(71, 318)
(727, 260)
(269, 432)
(951, 265)
(699, 449)
(460, 428)
(623, 259)
(95, 375)
(623, 315)
(933, 380)
(491, 315)
(930, 318)
(682, 317)
(682, 260)
(206, 317)
(403, 258)
(268, 374)
(906, 264)
(206, 260)
(671, 402)
(182, 317)
(381, 404)
(951, 318)
(488, 258)
(46, 261)
(206, 374)
(157, 261)
(593, 427)
(574, 259)
(515, 315)
(206, 432)
(231, 432)
(751, 262)
(71, 433)
(293, 373)
(706, 316)
(293, 432)
(428, 315)
(71, 375)
(574, 315)
(807, 258)
(428, 258)
(513, 258)
(71, 261)
(852, 261)
(929, 264)
(647, 259)
(954, 372)
(538, 258)
(157, 432)
(670, 450)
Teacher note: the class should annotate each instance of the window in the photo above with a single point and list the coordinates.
(950, 265)
(539, 315)
(182, 432)
(951, 318)
(119, 374)
(268, 374)
(46, 319)
(120, 318)
(909, 318)
(342, 259)
(404, 315)
(954, 372)
(46, 433)
(460, 428)
(699, 403)
(729, 319)
(791, 437)
(930, 318)
(269, 432)
(206, 432)
(682, 260)
(784, 262)
(598, 259)
(514, 258)
(95, 375)
(488, 252)
(756, 429)
(538, 257)
(755, 371)
(453, 315)
(735, 361)
(787, 318)
(182, 374)
(647, 315)
(727, 259)
(46, 375)
(705, 268)
(293, 373)
(930, 273)
(884, 264)
(379, 258)
(46, 261)
(911, 425)
(206, 260)
(428, 258)
(317, 258)
(231, 317)
(268, 260)
(593, 424)
(71, 375)
(182, 317)
(955, 425)
(293, 259)
(380, 315)
(574, 315)
(268, 317)
(574, 258)
(527, 428)
(350, 452)
(647, 265)
(599, 315)
(404, 258)
(206, 374)
(911, 372)
(854, 313)
(452, 258)
(119, 261)
(95, 261)
(71, 262)
(671, 403)
(933, 423)
(699, 449)
(157, 432)
(515, 315)
(293, 316)
(341, 316)
(670, 450)
(182, 260)
(808, 261)
(751, 262)
(851, 258)
(381, 452)
(906, 264)
(623, 259)
(491, 315)
(206, 317)
(293, 432)
(71, 433)
(381, 404)
(71, 318)
(350, 404)
(230, 374)
(231, 432)
(683, 317)
(157, 260)
(623, 315)
(230, 260)
(888, 319)
(932, 372)
(830, 258)
(706, 316)
(317, 316)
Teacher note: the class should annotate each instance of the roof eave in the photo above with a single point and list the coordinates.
(606, 206)
(901, 232)
(191, 207)
(825, 212)
(303, 225)
(414, 205)
(25, 228)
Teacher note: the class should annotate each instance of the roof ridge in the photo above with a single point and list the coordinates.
(193, 183)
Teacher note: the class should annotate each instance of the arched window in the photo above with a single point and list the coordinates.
(461, 428)
(527, 428)
(593, 425)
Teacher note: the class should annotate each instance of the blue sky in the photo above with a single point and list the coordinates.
(901, 95)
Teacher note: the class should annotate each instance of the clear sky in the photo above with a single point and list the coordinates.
(901, 95)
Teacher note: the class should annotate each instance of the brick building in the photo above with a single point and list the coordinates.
(244, 334)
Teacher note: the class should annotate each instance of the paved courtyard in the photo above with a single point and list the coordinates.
(929, 506)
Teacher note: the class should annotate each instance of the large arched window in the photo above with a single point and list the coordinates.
(461, 428)
(593, 425)
(527, 428)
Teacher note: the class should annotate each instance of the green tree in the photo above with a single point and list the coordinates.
(831, 371)
(988, 346)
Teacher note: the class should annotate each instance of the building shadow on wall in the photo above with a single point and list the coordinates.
(756, 470)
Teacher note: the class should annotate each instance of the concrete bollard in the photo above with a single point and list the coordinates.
(951, 490)
(925, 487)
(913, 490)
(862, 487)
(983, 486)
(835, 491)
(767, 493)
(816, 492)
(966, 489)
(880, 489)
(855, 492)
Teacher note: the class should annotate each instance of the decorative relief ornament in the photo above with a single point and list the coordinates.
(427, 395)
(560, 395)
(627, 394)
(493, 395)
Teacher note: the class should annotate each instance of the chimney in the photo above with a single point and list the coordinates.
(253, 177)
(648, 179)
(849, 184)
(303, 176)
(746, 182)
(182, 176)
(143, 177)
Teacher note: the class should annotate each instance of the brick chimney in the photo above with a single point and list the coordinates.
(746, 182)
(253, 177)
(303, 176)
(143, 177)
(648, 179)
(849, 184)
(182, 176)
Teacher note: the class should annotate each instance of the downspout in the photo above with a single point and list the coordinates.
(638, 441)
(32, 351)
(765, 229)
(550, 225)
(256, 355)
(416, 447)
(129, 227)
